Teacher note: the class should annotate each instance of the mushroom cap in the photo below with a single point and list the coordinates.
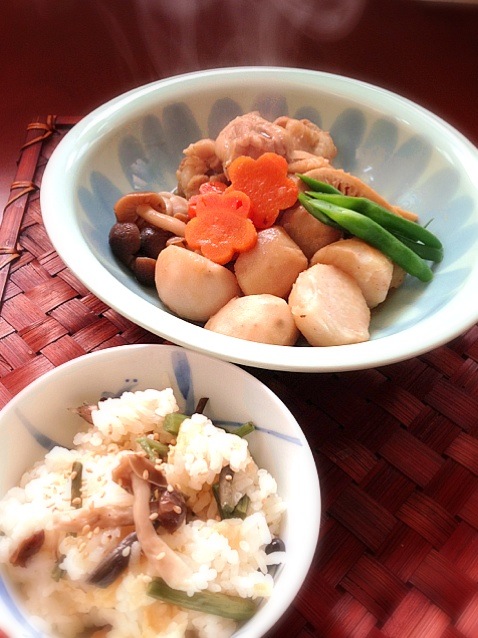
(126, 207)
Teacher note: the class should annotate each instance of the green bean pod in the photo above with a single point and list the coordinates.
(390, 221)
(154, 449)
(318, 186)
(309, 205)
(367, 229)
(425, 252)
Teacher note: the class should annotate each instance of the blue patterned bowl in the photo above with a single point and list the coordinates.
(41, 416)
(406, 153)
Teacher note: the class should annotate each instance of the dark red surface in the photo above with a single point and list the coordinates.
(69, 56)
(396, 448)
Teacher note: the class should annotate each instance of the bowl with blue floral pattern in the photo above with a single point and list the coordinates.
(41, 423)
(410, 156)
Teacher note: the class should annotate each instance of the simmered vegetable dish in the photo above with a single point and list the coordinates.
(265, 240)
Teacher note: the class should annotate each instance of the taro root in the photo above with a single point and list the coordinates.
(192, 286)
(263, 318)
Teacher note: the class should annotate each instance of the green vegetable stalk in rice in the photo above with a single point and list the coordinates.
(225, 496)
(154, 449)
(207, 602)
(244, 429)
(172, 422)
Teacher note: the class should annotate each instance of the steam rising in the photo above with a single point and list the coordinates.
(234, 32)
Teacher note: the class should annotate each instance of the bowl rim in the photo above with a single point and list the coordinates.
(261, 623)
(457, 315)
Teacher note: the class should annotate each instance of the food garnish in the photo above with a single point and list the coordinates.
(265, 180)
(405, 242)
(221, 227)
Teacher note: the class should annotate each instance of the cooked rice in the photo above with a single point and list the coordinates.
(225, 556)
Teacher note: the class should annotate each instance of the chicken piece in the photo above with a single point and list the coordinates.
(370, 268)
(261, 318)
(192, 286)
(272, 266)
(303, 162)
(307, 136)
(329, 308)
(250, 135)
(309, 233)
(199, 165)
(354, 187)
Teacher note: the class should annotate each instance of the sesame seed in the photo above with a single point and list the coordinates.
(160, 556)
(76, 501)
(153, 516)
(73, 475)
(126, 551)
(170, 488)
(85, 530)
(146, 475)
(96, 530)
(177, 509)
(228, 477)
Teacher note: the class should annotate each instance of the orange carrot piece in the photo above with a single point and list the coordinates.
(207, 187)
(221, 226)
(212, 187)
(266, 182)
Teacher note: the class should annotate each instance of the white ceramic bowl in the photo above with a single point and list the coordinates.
(40, 416)
(409, 155)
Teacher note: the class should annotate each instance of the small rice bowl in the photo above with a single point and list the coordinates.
(225, 556)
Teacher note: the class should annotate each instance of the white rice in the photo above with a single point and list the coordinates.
(225, 556)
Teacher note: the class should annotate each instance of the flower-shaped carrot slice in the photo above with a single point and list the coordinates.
(266, 182)
(207, 187)
(221, 227)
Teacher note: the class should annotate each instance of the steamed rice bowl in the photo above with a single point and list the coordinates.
(231, 556)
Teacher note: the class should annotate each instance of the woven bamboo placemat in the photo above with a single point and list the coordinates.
(396, 447)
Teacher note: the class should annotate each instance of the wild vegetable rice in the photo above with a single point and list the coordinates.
(83, 556)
